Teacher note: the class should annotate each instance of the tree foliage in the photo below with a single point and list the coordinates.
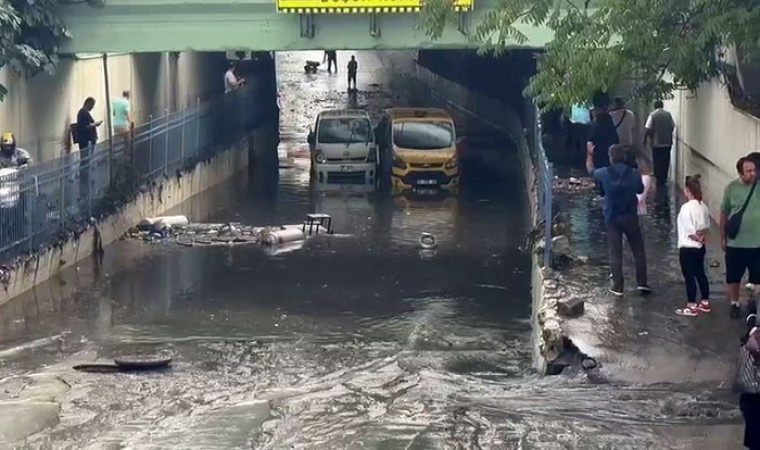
(30, 33)
(648, 47)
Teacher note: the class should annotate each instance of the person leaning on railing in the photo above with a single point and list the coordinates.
(12, 195)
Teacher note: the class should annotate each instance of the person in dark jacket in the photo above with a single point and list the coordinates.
(86, 136)
(755, 158)
(620, 184)
(602, 135)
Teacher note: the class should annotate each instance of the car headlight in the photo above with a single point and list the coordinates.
(452, 163)
(319, 157)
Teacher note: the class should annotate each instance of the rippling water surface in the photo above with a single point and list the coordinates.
(348, 342)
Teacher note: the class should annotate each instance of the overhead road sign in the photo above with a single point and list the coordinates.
(359, 6)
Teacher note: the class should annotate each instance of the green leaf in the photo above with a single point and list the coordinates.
(623, 45)
(30, 35)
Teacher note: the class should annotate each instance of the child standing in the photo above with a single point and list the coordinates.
(693, 224)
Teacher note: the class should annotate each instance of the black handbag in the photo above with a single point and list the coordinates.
(734, 223)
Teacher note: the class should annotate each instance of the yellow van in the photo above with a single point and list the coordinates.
(418, 149)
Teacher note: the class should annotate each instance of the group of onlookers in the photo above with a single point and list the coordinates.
(624, 178)
(623, 172)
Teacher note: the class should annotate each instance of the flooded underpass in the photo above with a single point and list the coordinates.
(357, 340)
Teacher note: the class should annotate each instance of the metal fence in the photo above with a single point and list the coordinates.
(544, 180)
(43, 203)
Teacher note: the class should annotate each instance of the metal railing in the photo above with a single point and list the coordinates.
(544, 182)
(43, 203)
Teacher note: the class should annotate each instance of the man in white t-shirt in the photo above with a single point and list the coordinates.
(659, 129)
(231, 81)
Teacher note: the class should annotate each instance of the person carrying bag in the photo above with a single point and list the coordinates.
(734, 224)
(747, 383)
(740, 234)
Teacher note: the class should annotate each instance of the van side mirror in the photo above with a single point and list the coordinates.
(311, 139)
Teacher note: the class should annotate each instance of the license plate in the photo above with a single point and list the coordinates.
(346, 168)
(425, 191)
(426, 182)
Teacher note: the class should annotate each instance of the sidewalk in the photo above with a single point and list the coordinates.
(640, 339)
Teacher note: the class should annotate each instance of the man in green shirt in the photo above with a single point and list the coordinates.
(743, 251)
(121, 114)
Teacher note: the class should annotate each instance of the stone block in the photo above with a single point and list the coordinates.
(571, 306)
(561, 246)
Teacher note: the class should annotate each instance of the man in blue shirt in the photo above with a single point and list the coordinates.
(619, 184)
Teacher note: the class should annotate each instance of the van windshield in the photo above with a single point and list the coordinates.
(417, 135)
(344, 130)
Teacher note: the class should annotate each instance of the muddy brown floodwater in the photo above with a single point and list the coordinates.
(349, 342)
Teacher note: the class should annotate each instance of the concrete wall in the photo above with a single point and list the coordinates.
(160, 198)
(711, 135)
(40, 109)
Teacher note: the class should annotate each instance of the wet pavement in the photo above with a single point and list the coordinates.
(640, 340)
(348, 342)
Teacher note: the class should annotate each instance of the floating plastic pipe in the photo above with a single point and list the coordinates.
(283, 236)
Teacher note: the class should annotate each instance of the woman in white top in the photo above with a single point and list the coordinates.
(693, 224)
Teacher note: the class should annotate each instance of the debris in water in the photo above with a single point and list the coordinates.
(275, 239)
(427, 241)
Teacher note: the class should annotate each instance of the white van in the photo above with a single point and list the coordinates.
(342, 147)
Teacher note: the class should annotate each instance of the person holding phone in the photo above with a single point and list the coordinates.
(86, 136)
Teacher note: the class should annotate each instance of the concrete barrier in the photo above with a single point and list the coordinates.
(154, 200)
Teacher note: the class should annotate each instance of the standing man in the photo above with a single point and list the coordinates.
(231, 80)
(121, 112)
(601, 137)
(624, 121)
(659, 133)
(742, 248)
(620, 184)
(86, 138)
(352, 67)
(87, 128)
(332, 59)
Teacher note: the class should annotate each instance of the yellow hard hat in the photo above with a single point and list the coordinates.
(8, 138)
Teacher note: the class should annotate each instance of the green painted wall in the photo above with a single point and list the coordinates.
(214, 25)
